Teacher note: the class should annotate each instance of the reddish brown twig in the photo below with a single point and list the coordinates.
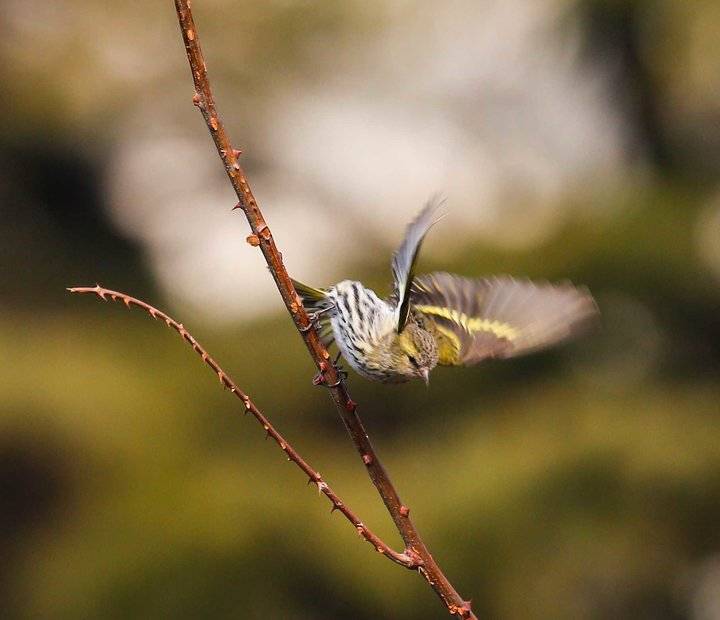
(313, 476)
(262, 237)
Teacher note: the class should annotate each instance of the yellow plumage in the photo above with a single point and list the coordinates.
(442, 318)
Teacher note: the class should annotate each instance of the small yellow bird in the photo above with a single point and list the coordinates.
(441, 318)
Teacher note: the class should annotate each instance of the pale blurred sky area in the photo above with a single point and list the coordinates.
(349, 123)
(346, 133)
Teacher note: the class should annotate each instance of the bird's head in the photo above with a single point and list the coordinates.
(415, 352)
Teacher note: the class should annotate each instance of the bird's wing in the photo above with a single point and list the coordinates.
(316, 301)
(498, 317)
(403, 262)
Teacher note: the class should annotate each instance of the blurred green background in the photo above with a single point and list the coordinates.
(575, 140)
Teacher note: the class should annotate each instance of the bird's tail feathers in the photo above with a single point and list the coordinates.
(312, 298)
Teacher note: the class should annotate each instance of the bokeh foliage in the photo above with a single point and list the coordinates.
(579, 483)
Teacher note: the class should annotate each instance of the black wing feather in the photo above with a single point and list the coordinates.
(404, 259)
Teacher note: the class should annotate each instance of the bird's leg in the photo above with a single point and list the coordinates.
(319, 378)
(314, 318)
(338, 367)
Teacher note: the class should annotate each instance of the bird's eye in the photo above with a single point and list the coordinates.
(413, 361)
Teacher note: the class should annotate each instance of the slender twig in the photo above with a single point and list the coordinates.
(314, 477)
(261, 236)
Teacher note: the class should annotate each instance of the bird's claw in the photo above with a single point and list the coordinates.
(319, 378)
(314, 322)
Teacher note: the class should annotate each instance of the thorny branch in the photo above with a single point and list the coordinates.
(416, 554)
(314, 477)
(261, 236)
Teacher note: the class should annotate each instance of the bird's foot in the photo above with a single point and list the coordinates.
(319, 378)
(314, 319)
(314, 323)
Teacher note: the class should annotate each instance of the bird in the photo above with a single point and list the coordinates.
(441, 318)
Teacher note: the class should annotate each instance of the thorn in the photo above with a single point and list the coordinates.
(237, 153)
(214, 123)
(196, 100)
(325, 354)
(252, 239)
(318, 379)
(323, 366)
(321, 486)
(237, 206)
(380, 550)
(360, 529)
(404, 511)
(335, 506)
(367, 459)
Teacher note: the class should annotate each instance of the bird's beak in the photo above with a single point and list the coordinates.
(425, 374)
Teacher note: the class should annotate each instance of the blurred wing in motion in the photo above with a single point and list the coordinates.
(403, 263)
(498, 317)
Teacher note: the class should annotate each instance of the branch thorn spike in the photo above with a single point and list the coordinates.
(414, 558)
